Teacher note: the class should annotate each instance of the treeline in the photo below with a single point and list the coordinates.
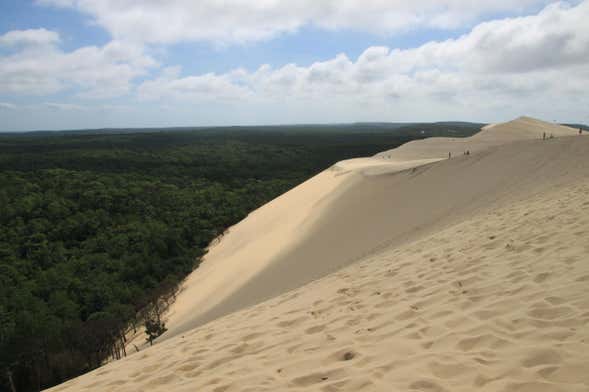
(96, 231)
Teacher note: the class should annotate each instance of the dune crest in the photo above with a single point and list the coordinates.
(522, 128)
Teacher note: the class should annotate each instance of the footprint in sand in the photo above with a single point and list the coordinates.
(314, 329)
(318, 377)
(542, 357)
(426, 386)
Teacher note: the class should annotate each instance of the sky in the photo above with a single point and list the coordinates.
(78, 64)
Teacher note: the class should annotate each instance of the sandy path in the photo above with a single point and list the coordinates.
(498, 301)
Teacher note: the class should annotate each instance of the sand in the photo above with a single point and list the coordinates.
(522, 128)
(352, 209)
(404, 271)
(495, 302)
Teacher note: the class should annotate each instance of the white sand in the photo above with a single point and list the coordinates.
(471, 274)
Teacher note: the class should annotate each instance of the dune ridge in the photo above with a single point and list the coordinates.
(522, 128)
(494, 300)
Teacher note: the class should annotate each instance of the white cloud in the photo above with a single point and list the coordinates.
(556, 37)
(231, 21)
(45, 68)
(7, 106)
(29, 37)
(208, 87)
(510, 62)
(64, 106)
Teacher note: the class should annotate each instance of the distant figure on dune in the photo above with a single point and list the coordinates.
(544, 136)
(449, 155)
(580, 131)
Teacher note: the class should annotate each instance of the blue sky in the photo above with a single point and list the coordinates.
(68, 64)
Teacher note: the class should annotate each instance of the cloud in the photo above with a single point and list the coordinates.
(29, 37)
(7, 106)
(498, 63)
(91, 70)
(64, 106)
(534, 64)
(557, 36)
(208, 87)
(236, 21)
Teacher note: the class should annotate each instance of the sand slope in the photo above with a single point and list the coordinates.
(495, 300)
(355, 208)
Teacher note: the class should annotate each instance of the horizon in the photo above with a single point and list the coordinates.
(77, 65)
(331, 124)
(195, 127)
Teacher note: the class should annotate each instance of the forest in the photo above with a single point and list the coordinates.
(98, 227)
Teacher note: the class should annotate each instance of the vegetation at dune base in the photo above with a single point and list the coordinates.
(98, 228)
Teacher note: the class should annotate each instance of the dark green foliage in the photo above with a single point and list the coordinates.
(153, 328)
(578, 126)
(96, 230)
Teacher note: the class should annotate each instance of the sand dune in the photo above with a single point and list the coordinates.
(355, 208)
(475, 278)
(523, 128)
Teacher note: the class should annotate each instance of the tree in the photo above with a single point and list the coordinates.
(154, 327)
